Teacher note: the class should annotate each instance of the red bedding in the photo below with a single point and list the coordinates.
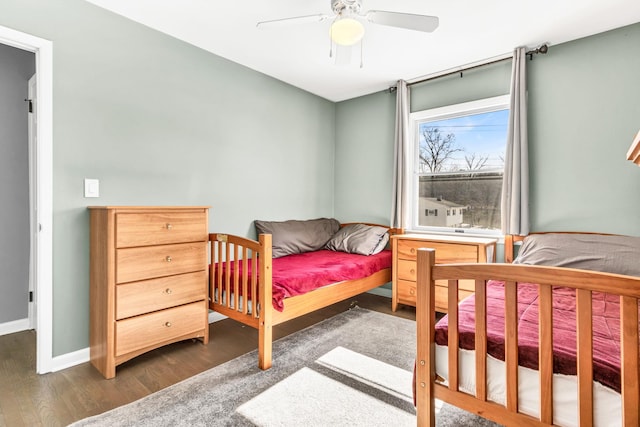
(300, 273)
(606, 330)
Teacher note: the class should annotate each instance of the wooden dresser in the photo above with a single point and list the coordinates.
(148, 280)
(449, 249)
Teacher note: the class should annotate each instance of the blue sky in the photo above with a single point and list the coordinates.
(483, 134)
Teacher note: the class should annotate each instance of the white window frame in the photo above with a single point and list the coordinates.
(486, 105)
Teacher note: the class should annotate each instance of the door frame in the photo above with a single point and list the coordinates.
(43, 210)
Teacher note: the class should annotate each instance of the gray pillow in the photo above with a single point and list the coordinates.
(359, 239)
(597, 252)
(295, 237)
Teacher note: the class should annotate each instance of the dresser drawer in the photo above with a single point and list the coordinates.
(146, 296)
(162, 326)
(160, 228)
(134, 264)
(446, 253)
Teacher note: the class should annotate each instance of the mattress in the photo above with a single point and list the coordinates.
(607, 403)
(301, 273)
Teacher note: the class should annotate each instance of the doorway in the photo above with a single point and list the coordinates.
(16, 67)
(42, 207)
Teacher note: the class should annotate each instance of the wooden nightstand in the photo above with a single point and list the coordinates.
(449, 249)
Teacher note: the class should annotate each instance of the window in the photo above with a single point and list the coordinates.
(458, 158)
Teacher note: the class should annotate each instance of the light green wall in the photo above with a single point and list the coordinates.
(364, 158)
(161, 122)
(583, 115)
(583, 99)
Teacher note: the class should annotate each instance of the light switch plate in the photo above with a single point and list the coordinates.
(91, 188)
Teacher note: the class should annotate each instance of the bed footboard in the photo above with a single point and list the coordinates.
(428, 388)
(240, 285)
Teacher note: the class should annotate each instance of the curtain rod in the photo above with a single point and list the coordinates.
(540, 49)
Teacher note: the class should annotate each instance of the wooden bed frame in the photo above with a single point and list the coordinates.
(428, 388)
(225, 248)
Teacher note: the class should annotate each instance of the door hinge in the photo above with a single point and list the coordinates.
(30, 101)
(30, 296)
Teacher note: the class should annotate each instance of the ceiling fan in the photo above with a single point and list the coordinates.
(347, 29)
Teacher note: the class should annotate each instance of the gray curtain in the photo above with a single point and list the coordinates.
(400, 164)
(515, 186)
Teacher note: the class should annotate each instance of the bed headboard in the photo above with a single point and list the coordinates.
(509, 242)
(511, 239)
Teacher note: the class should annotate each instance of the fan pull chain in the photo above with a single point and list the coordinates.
(331, 40)
(361, 54)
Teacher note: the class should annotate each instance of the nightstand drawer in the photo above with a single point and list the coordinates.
(135, 264)
(446, 253)
(145, 229)
(448, 250)
(407, 292)
(442, 297)
(407, 270)
(152, 329)
(146, 296)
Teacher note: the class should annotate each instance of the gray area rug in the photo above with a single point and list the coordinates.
(354, 369)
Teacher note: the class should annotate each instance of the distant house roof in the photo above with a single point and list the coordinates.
(440, 201)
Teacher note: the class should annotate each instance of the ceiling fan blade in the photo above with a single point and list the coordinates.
(276, 23)
(409, 21)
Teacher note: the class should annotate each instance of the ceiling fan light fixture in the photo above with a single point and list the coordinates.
(347, 31)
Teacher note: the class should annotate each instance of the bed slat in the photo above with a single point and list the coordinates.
(481, 340)
(585, 357)
(245, 278)
(227, 277)
(545, 354)
(236, 278)
(630, 360)
(254, 282)
(511, 343)
(452, 314)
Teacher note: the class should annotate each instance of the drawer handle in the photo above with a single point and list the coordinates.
(413, 250)
(412, 271)
(412, 291)
(167, 324)
(169, 226)
(168, 258)
(167, 291)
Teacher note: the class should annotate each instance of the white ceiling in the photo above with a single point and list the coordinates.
(469, 31)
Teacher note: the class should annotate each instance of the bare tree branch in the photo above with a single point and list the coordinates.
(475, 162)
(436, 149)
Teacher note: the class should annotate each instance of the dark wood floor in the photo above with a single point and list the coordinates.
(60, 398)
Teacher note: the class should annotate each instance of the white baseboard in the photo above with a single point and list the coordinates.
(14, 326)
(82, 356)
(383, 292)
(70, 359)
(214, 316)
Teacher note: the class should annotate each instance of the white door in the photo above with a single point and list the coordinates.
(33, 200)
